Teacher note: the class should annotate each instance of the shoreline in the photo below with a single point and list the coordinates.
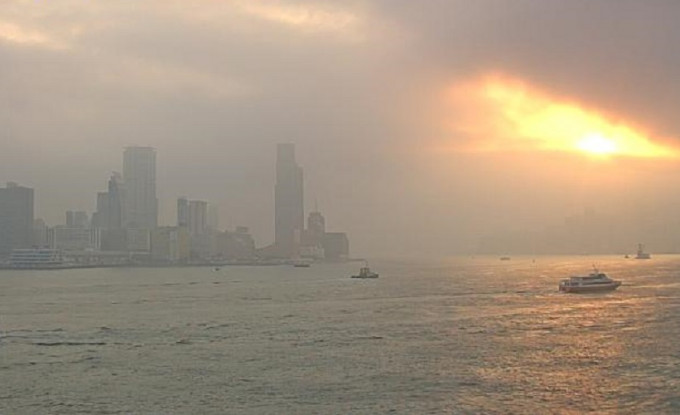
(263, 263)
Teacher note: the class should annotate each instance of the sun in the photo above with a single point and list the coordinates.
(595, 143)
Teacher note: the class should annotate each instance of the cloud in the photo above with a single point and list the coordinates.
(498, 113)
(14, 33)
(308, 17)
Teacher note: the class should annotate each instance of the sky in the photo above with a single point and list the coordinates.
(422, 127)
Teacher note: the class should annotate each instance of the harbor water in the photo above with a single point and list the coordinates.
(456, 335)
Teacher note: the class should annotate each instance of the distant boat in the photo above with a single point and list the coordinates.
(641, 254)
(301, 264)
(365, 272)
(596, 281)
(505, 258)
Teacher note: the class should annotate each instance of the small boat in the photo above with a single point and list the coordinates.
(505, 258)
(641, 254)
(596, 281)
(301, 264)
(365, 272)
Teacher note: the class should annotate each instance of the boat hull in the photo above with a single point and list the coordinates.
(365, 276)
(576, 289)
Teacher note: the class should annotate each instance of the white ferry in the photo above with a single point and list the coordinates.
(596, 281)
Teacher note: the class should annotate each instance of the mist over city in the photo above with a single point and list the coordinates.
(339, 207)
(422, 128)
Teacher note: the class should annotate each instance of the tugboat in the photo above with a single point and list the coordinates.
(641, 254)
(302, 264)
(365, 272)
(596, 281)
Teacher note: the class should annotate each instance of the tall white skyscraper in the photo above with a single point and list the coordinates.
(139, 179)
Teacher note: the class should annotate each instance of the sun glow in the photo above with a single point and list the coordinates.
(498, 113)
(597, 144)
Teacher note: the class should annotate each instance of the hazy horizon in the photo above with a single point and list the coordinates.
(422, 127)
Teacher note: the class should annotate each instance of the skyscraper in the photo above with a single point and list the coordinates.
(288, 198)
(115, 202)
(16, 218)
(182, 212)
(198, 216)
(76, 219)
(193, 215)
(139, 176)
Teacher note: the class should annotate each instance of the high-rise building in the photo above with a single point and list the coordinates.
(109, 215)
(139, 176)
(183, 212)
(316, 225)
(16, 218)
(193, 215)
(288, 198)
(76, 219)
(198, 217)
(115, 202)
(40, 233)
(213, 221)
(100, 218)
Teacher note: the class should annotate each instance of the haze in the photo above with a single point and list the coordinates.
(429, 127)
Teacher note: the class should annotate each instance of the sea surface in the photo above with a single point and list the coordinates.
(456, 335)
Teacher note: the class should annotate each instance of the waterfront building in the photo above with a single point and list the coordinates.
(109, 215)
(316, 225)
(75, 238)
(192, 215)
(336, 246)
(313, 237)
(183, 212)
(40, 233)
(288, 199)
(213, 220)
(198, 217)
(139, 175)
(16, 218)
(237, 245)
(138, 240)
(170, 244)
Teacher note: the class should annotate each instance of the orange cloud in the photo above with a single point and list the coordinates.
(498, 113)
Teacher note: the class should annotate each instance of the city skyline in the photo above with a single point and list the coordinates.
(125, 221)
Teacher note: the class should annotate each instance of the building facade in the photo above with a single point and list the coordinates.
(288, 199)
(170, 244)
(16, 218)
(139, 176)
